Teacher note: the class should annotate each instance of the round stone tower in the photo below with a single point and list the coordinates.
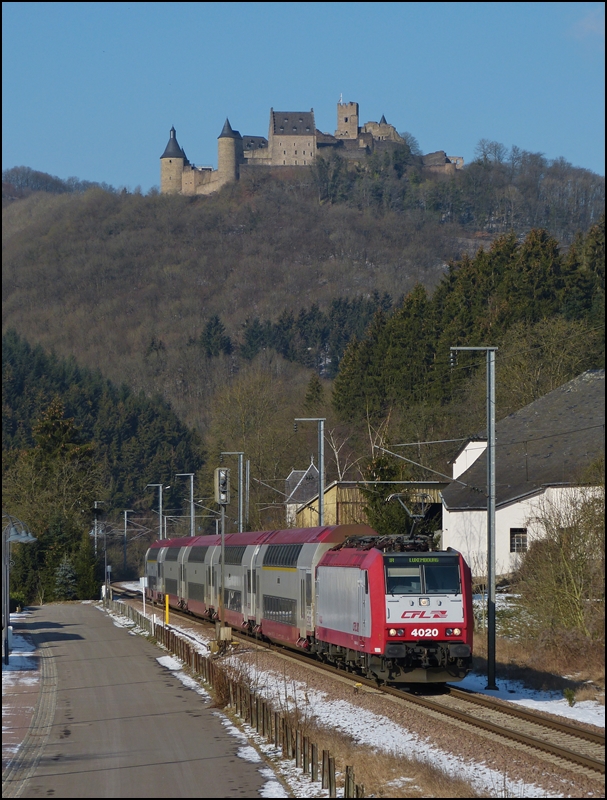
(229, 154)
(171, 166)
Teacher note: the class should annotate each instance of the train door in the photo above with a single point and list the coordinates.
(364, 615)
(252, 584)
(305, 601)
(182, 580)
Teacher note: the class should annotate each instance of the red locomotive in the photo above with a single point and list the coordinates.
(386, 607)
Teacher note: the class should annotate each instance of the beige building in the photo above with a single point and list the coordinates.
(293, 141)
(344, 503)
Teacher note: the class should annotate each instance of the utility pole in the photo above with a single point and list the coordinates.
(160, 522)
(222, 497)
(490, 351)
(96, 504)
(321, 463)
(190, 475)
(126, 511)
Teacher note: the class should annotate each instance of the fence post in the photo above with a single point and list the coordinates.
(306, 755)
(314, 762)
(325, 769)
(298, 748)
(349, 780)
(332, 786)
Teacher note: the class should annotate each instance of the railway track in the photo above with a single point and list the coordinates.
(563, 744)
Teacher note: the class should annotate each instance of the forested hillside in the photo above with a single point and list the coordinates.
(175, 295)
(133, 439)
(129, 322)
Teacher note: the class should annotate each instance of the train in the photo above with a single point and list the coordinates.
(386, 607)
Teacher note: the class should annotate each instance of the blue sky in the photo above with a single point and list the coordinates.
(92, 89)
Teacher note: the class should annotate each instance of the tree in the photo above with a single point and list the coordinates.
(412, 143)
(65, 580)
(214, 339)
(52, 486)
(315, 395)
(561, 580)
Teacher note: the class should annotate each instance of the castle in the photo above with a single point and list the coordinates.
(293, 141)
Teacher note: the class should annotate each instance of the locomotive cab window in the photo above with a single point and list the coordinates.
(422, 575)
(403, 580)
(442, 578)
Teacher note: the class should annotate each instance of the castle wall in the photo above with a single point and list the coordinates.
(292, 150)
(193, 178)
(382, 131)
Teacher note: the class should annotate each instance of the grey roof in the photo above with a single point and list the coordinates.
(383, 120)
(549, 442)
(301, 485)
(172, 150)
(254, 142)
(292, 123)
(227, 132)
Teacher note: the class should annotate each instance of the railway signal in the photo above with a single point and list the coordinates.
(222, 486)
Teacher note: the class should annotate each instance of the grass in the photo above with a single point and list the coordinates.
(559, 666)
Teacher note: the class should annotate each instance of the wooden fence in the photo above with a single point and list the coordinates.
(253, 709)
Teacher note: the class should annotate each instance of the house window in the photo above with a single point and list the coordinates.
(518, 540)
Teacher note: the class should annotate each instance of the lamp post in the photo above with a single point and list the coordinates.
(321, 463)
(491, 684)
(14, 531)
(189, 475)
(160, 488)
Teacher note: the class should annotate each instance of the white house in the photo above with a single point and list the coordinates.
(540, 457)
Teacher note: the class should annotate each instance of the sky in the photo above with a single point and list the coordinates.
(91, 90)
(363, 726)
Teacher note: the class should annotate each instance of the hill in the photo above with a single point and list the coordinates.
(174, 295)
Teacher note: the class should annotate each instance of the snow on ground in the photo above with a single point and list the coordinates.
(366, 728)
(382, 734)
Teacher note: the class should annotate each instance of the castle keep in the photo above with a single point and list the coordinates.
(293, 141)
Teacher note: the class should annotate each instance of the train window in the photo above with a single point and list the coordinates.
(234, 554)
(442, 579)
(172, 553)
(403, 580)
(282, 555)
(232, 599)
(280, 609)
(198, 553)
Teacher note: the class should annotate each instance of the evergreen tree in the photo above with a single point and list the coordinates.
(214, 339)
(315, 395)
(65, 580)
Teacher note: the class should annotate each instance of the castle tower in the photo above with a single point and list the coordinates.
(171, 166)
(347, 120)
(229, 154)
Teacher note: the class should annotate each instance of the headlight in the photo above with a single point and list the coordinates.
(400, 632)
(448, 631)
(392, 632)
(457, 631)
(424, 601)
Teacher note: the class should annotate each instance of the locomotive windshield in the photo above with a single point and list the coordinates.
(422, 574)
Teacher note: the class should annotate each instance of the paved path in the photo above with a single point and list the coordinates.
(111, 722)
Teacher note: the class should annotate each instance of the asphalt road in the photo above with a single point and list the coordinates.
(112, 722)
